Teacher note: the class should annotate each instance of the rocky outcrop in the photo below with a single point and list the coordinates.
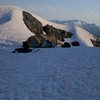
(59, 34)
(41, 41)
(51, 40)
(52, 37)
(34, 41)
(32, 23)
(66, 45)
(24, 49)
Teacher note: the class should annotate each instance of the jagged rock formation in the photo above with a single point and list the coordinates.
(59, 34)
(32, 23)
(52, 37)
(43, 41)
(51, 41)
(34, 41)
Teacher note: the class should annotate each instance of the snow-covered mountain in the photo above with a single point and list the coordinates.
(92, 28)
(13, 28)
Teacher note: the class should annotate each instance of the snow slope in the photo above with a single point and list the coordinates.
(84, 36)
(50, 74)
(13, 29)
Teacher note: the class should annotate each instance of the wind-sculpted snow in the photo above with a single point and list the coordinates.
(50, 74)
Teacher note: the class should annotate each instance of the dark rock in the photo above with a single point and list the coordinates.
(25, 45)
(25, 48)
(66, 45)
(62, 39)
(34, 41)
(75, 43)
(41, 41)
(65, 34)
(32, 23)
(59, 34)
(22, 50)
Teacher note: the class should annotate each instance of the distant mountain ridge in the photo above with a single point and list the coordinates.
(92, 28)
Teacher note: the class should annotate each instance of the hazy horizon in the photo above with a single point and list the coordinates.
(85, 10)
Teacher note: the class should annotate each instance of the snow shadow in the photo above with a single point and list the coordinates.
(5, 18)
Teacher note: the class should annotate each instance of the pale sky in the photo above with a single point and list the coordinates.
(86, 10)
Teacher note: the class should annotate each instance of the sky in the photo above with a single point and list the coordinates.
(86, 10)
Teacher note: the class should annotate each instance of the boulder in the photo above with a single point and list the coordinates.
(66, 34)
(66, 45)
(34, 41)
(32, 23)
(41, 41)
(59, 34)
(24, 49)
(75, 43)
(48, 41)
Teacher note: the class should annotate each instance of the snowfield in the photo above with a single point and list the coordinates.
(50, 74)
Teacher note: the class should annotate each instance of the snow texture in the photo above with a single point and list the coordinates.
(50, 74)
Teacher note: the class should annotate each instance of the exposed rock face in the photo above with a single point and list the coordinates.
(32, 23)
(50, 40)
(46, 43)
(59, 34)
(66, 45)
(34, 41)
(24, 49)
(52, 37)
(43, 41)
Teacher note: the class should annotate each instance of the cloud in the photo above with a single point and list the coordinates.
(50, 12)
(61, 13)
(88, 15)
